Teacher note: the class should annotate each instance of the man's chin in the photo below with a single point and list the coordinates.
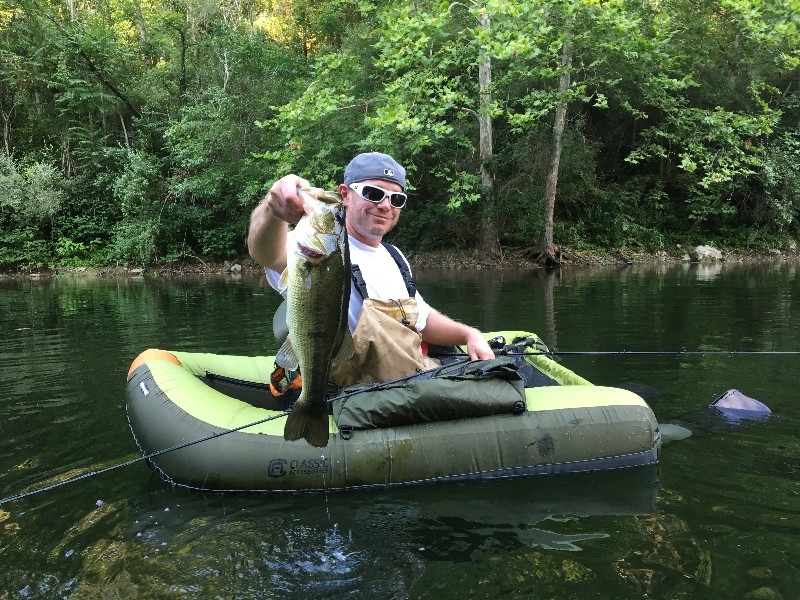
(378, 231)
(381, 225)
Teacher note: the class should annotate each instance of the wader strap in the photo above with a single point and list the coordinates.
(411, 287)
(358, 281)
(361, 285)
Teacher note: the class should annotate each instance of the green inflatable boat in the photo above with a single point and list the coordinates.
(210, 422)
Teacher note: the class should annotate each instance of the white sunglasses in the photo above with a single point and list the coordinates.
(376, 194)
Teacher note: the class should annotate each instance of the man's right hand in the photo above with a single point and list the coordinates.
(284, 200)
(266, 237)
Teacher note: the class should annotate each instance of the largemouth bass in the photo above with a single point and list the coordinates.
(317, 278)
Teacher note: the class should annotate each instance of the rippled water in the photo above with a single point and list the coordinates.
(719, 517)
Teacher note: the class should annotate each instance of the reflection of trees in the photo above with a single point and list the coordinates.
(549, 281)
(490, 285)
(66, 344)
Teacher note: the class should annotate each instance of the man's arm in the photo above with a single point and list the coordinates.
(269, 222)
(441, 330)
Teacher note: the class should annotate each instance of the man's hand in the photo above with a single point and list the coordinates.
(284, 200)
(441, 330)
(266, 237)
(477, 347)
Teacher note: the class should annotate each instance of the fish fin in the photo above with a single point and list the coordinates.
(283, 282)
(347, 348)
(308, 422)
(286, 357)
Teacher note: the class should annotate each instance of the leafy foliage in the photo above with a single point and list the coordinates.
(140, 132)
(30, 198)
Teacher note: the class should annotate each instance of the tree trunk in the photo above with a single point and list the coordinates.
(7, 116)
(548, 252)
(489, 237)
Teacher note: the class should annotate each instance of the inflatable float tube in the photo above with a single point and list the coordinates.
(567, 425)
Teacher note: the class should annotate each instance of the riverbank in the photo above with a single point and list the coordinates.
(511, 259)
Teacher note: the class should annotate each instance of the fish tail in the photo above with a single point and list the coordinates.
(307, 422)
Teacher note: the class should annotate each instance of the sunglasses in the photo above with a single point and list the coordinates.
(376, 194)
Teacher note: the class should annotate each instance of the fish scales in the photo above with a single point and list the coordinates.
(317, 278)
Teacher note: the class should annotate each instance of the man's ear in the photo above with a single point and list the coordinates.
(344, 192)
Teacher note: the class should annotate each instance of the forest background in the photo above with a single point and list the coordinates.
(143, 132)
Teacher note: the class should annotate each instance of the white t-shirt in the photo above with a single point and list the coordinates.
(383, 278)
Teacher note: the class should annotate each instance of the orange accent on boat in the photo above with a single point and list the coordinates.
(152, 354)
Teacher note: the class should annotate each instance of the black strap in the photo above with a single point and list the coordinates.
(358, 281)
(405, 272)
(411, 287)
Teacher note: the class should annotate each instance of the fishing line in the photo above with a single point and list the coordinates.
(378, 385)
(138, 459)
(211, 436)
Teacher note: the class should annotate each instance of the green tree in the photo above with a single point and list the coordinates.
(717, 104)
(30, 198)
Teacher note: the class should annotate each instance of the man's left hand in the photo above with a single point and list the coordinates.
(477, 346)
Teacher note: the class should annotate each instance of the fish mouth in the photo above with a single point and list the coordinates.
(308, 252)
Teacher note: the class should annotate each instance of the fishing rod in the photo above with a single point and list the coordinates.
(679, 352)
(211, 436)
(629, 352)
(498, 344)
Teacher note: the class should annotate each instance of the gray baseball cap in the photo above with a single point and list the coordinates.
(374, 165)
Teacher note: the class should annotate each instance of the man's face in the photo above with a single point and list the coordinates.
(367, 221)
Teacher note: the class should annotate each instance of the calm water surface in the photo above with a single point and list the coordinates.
(719, 517)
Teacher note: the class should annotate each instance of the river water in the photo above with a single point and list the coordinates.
(718, 518)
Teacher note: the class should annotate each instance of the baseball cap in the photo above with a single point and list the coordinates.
(375, 165)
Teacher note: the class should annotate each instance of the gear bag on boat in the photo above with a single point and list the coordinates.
(467, 389)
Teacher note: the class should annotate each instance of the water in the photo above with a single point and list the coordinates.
(718, 518)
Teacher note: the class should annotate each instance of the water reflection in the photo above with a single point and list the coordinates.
(321, 546)
(719, 520)
(333, 545)
(704, 271)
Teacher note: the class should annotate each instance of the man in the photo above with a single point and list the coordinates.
(373, 194)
